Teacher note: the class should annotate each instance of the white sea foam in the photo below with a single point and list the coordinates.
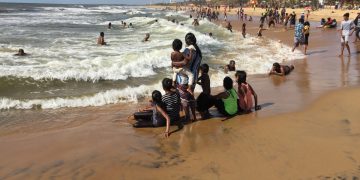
(74, 55)
(129, 94)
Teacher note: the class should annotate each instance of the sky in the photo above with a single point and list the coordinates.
(88, 1)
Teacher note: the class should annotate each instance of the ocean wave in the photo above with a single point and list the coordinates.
(129, 94)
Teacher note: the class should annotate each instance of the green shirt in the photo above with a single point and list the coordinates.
(230, 103)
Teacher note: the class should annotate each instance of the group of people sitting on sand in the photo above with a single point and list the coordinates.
(238, 96)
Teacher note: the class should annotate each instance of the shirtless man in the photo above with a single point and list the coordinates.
(281, 70)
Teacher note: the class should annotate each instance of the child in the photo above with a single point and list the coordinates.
(260, 30)
(177, 56)
(346, 26)
(244, 30)
(154, 115)
(204, 79)
(204, 82)
(229, 27)
(245, 91)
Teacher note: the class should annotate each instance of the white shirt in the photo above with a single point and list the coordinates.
(346, 27)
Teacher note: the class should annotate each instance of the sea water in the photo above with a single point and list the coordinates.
(66, 68)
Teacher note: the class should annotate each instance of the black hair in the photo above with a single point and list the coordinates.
(301, 20)
(177, 44)
(21, 51)
(190, 39)
(167, 84)
(277, 67)
(157, 99)
(204, 68)
(307, 23)
(241, 75)
(102, 34)
(244, 24)
(346, 15)
(228, 83)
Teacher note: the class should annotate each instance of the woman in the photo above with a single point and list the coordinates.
(226, 102)
(195, 62)
(281, 70)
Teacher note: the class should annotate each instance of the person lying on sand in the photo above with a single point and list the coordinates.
(281, 70)
(21, 52)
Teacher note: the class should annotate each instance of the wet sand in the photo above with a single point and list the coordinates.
(319, 141)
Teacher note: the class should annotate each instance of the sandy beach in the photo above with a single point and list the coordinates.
(308, 128)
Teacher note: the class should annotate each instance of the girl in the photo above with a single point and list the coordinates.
(245, 93)
(154, 115)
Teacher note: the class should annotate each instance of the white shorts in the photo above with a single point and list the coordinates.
(344, 38)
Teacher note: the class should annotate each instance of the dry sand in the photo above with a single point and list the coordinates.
(320, 141)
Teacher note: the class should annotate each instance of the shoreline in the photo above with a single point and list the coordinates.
(307, 129)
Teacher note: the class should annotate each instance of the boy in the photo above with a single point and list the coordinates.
(346, 27)
(204, 79)
(177, 56)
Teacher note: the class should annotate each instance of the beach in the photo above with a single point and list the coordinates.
(307, 129)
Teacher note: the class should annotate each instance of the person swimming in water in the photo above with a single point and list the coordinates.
(109, 25)
(147, 36)
(21, 52)
(230, 66)
(281, 70)
(101, 39)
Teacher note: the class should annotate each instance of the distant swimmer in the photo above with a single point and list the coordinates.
(281, 70)
(195, 22)
(147, 36)
(130, 25)
(109, 26)
(124, 25)
(21, 52)
(210, 34)
(229, 27)
(101, 39)
(243, 30)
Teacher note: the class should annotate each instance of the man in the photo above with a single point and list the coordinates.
(299, 34)
(346, 26)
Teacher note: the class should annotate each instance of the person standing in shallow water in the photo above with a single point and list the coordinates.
(306, 35)
(101, 39)
(299, 34)
(346, 26)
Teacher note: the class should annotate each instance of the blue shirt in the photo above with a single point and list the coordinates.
(298, 30)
